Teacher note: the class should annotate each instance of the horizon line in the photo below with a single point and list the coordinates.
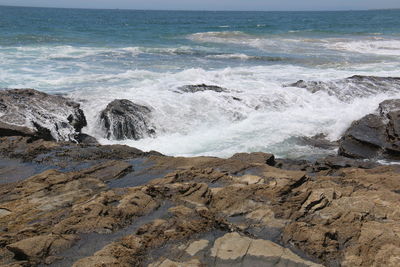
(204, 10)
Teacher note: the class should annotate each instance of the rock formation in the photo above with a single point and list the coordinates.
(123, 119)
(201, 88)
(349, 88)
(28, 112)
(375, 135)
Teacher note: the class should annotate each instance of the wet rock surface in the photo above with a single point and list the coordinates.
(123, 119)
(28, 112)
(318, 141)
(375, 135)
(201, 88)
(249, 210)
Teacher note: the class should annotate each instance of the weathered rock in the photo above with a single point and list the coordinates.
(65, 154)
(243, 251)
(339, 162)
(257, 157)
(201, 88)
(335, 214)
(38, 247)
(390, 105)
(109, 170)
(4, 212)
(169, 263)
(123, 119)
(375, 135)
(196, 246)
(133, 250)
(364, 139)
(28, 112)
(86, 139)
(204, 212)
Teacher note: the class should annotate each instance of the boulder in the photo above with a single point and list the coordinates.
(201, 88)
(27, 112)
(123, 119)
(375, 135)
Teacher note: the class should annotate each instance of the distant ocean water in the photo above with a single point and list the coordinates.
(95, 56)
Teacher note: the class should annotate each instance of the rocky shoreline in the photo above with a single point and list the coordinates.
(68, 201)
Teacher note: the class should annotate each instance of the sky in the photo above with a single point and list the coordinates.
(262, 5)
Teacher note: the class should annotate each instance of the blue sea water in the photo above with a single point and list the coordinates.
(95, 56)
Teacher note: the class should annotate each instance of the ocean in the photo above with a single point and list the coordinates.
(96, 56)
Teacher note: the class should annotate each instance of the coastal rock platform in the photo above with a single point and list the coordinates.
(92, 205)
(69, 203)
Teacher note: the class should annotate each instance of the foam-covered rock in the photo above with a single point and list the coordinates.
(123, 119)
(28, 112)
(351, 87)
(201, 88)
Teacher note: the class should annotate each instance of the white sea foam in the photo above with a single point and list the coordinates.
(263, 42)
(258, 114)
(367, 45)
(221, 37)
(378, 46)
(66, 52)
(231, 56)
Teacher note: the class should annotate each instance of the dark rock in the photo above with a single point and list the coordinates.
(364, 139)
(318, 141)
(339, 162)
(294, 165)
(27, 112)
(389, 105)
(86, 139)
(65, 154)
(123, 119)
(201, 88)
(374, 136)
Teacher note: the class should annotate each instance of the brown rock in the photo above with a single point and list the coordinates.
(38, 247)
(109, 170)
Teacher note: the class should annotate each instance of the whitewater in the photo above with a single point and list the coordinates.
(94, 57)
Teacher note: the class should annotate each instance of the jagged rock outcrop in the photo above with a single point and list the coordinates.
(123, 119)
(352, 87)
(28, 112)
(375, 135)
(201, 88)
